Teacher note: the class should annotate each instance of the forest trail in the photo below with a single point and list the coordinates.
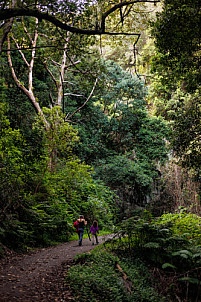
(40, 275)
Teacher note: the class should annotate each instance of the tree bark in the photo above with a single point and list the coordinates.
(29, 91)
(61, 78)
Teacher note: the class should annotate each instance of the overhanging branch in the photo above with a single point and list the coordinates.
(17, 12)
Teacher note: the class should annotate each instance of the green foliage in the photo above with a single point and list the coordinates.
(141, 278)
(151, 140)
(11, 159)
(92, 130)
(163, 236)
(39, 204)
(120, 87)
(170, 245)
(130, 177)
(122, 171)
(60, 137)
(114, 122)
(177, 34)
(175, 89)
(90, 282)
(184, 223)
(182, 111)
(73, 184)
(119, 138)
(15, 175)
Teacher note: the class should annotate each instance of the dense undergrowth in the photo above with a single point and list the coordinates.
(95, 277)
(148, 260)
(38, 204)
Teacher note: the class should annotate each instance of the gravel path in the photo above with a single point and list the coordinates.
(40, 276)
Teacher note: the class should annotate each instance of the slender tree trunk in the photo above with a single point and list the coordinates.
(61, 78)
(27, 91)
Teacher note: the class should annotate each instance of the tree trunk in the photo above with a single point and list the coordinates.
(29, 91)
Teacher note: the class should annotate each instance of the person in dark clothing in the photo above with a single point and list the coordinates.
(82, 223)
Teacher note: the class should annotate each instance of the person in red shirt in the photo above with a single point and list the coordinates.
(82, 223)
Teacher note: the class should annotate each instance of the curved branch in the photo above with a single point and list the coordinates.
(51, 74)
(78, 109)
(23, 56)
(7, 26)
(6, 29)
(16, 12)
(119, 6)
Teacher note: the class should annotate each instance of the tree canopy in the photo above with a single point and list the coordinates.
(80, 17)
(177, 38)
(177, 75)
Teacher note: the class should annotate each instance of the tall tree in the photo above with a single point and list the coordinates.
(175, 89)
(119, 138)
(177, 39)
(29, 32)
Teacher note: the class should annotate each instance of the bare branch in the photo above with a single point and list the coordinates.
(18, 47)
(28, 48)
(121, 15)
(92, 91)
(51, 100)
(134, 54)
(69, 82)
(72, 94)
(51, 74)
(126, 13)
(26, 31)
(74, 70)
(13, 71)
(119, 6)
(73, 64)
(56, 63)
(27, 92)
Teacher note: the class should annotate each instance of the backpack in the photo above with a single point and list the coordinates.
(76, 225)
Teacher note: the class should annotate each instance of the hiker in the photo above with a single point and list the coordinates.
(94, 230)
(76, 226)
(82, 223)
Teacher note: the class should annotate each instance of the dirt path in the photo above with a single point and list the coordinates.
(40, 276)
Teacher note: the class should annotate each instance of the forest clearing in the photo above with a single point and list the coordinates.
(100, 123)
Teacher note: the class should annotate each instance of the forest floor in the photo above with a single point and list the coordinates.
(40, 275)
